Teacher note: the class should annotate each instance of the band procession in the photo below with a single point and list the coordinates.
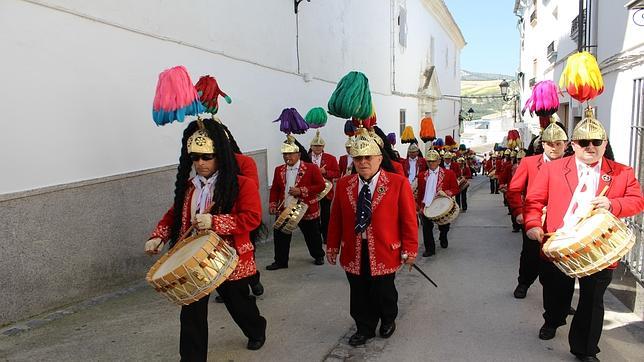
(367, 209)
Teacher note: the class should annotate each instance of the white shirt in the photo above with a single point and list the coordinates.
(202, 197)
(588, 182)
(412, 169)
(546, 158)
(291, 176)
(317, 159)
(447, 165)
(430, 186)
(372, 189)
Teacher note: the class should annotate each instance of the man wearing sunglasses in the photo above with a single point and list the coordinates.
(570, 187)
(553, 140)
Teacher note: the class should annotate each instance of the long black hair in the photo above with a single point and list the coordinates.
(226, 186)
(387, 149)
(304, 154)
(231, 139)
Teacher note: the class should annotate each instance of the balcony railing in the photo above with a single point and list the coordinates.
(551, 53)
(574, 26)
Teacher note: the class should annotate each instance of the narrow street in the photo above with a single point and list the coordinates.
(471, 316)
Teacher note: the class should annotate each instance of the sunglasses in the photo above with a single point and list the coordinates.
(201, 156)
(586, 143)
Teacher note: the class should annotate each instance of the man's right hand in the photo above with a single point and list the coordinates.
(536, 233)
(153, 246)
(520, 219)
(331, 258)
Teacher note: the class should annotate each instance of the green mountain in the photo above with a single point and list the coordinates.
(482, 86)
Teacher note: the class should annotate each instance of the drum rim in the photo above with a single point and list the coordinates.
(445, 213)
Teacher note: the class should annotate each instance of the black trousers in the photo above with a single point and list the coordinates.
(372, 298)
(325, 214)
(193, 344)
(586, 326)
(494, 186)
(428, 233)
(312, 237)
(529, 260)
(557, 293)
(461, 199)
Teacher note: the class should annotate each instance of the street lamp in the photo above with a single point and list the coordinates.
(470, 114)
(505, 86)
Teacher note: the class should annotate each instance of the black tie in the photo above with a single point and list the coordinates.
(363, 210)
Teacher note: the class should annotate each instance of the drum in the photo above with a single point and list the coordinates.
(591, 246)
(492, 173)
(289, 218)
(463, 183)
(443, 210)
(328, 185)
(193, 268)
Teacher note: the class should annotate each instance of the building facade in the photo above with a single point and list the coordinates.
(78, 83)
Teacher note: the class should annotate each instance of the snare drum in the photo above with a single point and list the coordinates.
(463, 183)
(443, 210)
(289, 218)
(193, 268)
(591, 246)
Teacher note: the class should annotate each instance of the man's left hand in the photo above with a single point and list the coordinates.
(601, 201)
(203, 221)
(295, 191)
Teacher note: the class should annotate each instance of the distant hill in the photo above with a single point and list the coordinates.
(482, 85)
(467, 75)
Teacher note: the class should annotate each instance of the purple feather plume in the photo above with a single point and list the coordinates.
(292, 122)
(391, 138)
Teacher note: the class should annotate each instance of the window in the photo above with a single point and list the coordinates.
(403, 122)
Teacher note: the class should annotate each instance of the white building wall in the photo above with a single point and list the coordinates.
(79, 76)
(619, 52)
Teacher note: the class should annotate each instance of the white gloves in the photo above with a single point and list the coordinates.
(203, 221)
(153, 246)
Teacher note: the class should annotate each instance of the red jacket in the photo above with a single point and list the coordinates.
(521, 181)
(466, 171)
(489, 165)
(556, 182)
(454, 167)
(392, 232)
(421, 165)
(234, 228)
(505, 173)
(342, 165)
(309, 180)
(247, 167)
(330, 165)
(446, 182)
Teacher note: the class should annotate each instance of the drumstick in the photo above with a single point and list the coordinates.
(585, 217)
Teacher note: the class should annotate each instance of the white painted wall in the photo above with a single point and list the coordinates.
(79, 76)
(617, 36)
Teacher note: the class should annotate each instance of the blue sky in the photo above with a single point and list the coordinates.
(489, 28)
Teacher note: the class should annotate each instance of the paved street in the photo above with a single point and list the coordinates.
(472, 316)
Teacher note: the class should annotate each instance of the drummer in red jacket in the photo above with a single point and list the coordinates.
(466, 174)
(296, 179)
(345, 163)
(570, 187)
(329, 169)
(235, 211)
(435, 181)
(553, 139)
(374, 229)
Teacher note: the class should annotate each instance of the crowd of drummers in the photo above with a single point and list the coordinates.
(564, 194)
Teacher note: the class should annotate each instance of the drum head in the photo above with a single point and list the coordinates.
(181, 255)
(438, 207)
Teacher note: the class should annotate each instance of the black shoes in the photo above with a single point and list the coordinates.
(429, 253)
(444, 244)
(319, 261)
(386, 330)
(276, 266)
(521, 291)
(516, 230)
(581, 357)
(546, 332)
(255, 344)
(257, 289)
(358, 339)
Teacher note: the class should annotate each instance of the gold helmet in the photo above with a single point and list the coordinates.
(553, 132)
(448, 155)
(289, 146)
(413, 148)
(200, 142)
(364, 144)
(507, 152)
(349, 142)
(589, 128)
(521, 153)
(460, 160)
(432, 155)
(513, 153)
(317, 140)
